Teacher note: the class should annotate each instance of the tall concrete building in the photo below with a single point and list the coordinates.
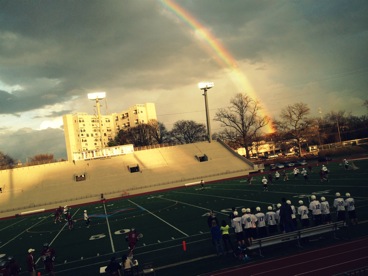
(87, 136)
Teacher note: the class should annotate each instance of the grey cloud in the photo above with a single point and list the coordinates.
(26, 143)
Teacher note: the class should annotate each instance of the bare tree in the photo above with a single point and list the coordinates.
(6, 162)
(295, 122)
(41, 159)
(186, 132)
(159, 132)
(241, 120)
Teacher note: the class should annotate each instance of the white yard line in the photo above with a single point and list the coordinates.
(12, 225)
(222, 197)
(62, 228)
(191, 205)
(21, 233)
(185, 234)
(109, 229)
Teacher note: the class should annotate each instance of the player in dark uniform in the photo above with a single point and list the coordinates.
(48, 258)
(132, 239)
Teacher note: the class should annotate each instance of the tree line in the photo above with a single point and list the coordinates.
(242, 125)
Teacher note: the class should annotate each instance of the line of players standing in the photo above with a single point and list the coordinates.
(257, 224)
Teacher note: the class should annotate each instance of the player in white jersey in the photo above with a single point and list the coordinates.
(293, 215)
(296, 172)
(303, 213)
(86, 218)
(238, 228)
(278, 205)
(339, 204)
(350, 207)
(315, 208)
(261, 223)
(249, 222)
(325, 172)
(271, 220)
(305, 174)
(346, 164)
(265, 182)
(277, 175)
(325, 210)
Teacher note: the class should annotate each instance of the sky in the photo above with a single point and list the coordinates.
(53, 53)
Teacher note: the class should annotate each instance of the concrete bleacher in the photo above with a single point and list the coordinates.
(50, 185)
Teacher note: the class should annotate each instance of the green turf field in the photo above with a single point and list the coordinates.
(166, 219)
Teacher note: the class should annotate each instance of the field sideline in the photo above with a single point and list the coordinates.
(166, 219)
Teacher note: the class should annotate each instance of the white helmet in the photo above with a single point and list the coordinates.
(347, 194)
(258, 209)
(243, 210)
(313, 197)
(235, 213)
(247, 210)
(278, 205)
(301, 202)
(85, 211)
(323, 198)
(288, 202)
(269, 208)
(337, 194)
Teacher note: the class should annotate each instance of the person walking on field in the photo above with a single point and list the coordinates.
(296, 173)
(346, 164)
(86, 218)
(304, 173)
(277, 175)
(31, 266)
(325, 173)
(265, 182)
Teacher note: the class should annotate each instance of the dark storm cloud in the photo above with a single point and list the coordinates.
(84, 45)
(54, 52)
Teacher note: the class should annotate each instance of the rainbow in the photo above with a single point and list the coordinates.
(222, 55)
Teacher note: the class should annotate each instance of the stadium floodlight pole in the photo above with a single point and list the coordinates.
(205, 86)
(97, 96)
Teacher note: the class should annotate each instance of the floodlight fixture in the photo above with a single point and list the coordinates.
(205, 85)
(97, 96)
